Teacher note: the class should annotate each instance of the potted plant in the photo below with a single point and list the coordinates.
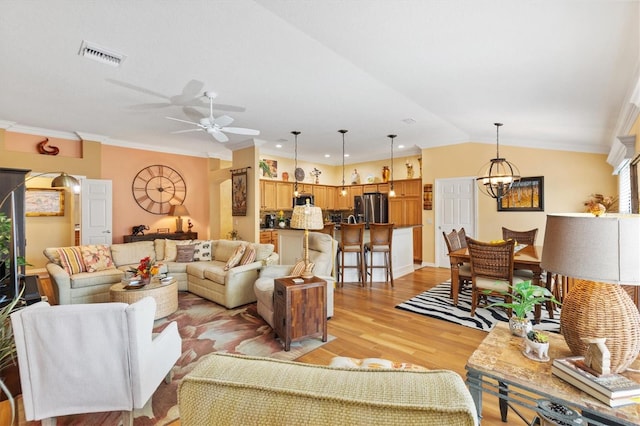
(537, 345)
(524, 297)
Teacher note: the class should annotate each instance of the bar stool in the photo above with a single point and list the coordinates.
(352, 241)
(380, 237)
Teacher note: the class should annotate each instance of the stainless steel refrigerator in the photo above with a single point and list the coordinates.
(371, 207)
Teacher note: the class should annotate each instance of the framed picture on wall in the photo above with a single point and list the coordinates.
(239, 193)
(44, 202)
(527, 194)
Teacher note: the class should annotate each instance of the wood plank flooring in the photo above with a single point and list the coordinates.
(366, 324)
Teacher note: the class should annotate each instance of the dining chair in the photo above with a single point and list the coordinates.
(453, 242)
(352, 241)
(491, 270)
(522, 237)
(380, 239)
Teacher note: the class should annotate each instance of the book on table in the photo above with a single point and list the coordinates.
(611, 402)
(612, 386)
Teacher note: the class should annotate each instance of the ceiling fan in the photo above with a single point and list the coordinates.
(216, 127)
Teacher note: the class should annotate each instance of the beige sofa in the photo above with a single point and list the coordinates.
(232, 390)
(206, 278)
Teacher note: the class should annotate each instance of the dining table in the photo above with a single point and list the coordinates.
(527, 258)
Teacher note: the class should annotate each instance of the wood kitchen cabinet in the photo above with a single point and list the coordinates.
(323, 197)
(284, 196)
(268, 194)
(269, 237)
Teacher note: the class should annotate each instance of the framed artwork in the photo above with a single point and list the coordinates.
(273, 166)
(239, 193)
(526, 195)
(44, 202)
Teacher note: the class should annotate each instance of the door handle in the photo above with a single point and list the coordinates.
(106, 232)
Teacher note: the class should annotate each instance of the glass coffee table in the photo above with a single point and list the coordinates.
(498, 367)
(165, 294)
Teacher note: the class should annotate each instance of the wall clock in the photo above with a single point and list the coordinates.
(155, 188)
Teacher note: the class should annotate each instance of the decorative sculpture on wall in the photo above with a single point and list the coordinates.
(47, 150)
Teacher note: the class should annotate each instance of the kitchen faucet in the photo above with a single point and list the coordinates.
(351, 217)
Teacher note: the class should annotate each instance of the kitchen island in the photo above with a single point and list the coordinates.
(291, 250)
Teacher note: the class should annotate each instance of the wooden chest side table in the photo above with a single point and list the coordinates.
(299, 310)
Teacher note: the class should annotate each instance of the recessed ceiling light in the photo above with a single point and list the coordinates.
(278, 145)
(346, 155)
(327, 155)
(409, 121)
(400, 146)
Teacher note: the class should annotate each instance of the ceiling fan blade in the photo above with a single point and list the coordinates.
(220, 137)
(223, 120)
(184, 121)
(241, 131)
(142, 107)
(193, 113)
(188, 131)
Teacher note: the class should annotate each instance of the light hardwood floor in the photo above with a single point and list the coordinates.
(366, 324)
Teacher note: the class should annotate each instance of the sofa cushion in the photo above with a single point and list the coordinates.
(297, 269)
(52, 255)
(185, 253)
(171, 250)
(235, 258)
(215, 273)
(263, 251)
(131, 253)
(90, 279)
(225, 249)
(249, 255)
(71, 260)
(203, 250)
(97, 257)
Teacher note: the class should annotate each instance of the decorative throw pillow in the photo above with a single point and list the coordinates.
(249, 255)
(235, 257)
(202, 250)
(71, 260)
(97, 257)
(170, 249)
(185, 253)
(297, 269)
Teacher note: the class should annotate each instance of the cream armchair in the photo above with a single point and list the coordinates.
(322, 253)
(90, 358)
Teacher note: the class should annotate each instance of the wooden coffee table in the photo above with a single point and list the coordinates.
(299, 310)
(165, 295)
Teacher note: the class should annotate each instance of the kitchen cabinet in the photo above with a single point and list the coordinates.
(405, 211)
(269, 237)
(417, 244)
(268, 195)
(284, 196)
(323, 197)
(408, 188)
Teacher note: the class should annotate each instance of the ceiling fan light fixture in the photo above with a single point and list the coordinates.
(496, 178)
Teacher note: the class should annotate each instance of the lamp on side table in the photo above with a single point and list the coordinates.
(307, 217)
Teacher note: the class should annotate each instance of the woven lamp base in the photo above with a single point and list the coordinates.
(593, 309)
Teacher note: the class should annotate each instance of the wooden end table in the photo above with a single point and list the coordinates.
(499, 368)
(165, 295)
(299, 310)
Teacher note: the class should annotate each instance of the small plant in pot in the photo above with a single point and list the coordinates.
(537, 345)
(524, 297)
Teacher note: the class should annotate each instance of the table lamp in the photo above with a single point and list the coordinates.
(178, 210)
(602, 254)
(307, 217)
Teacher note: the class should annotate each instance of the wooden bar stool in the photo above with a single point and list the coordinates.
(380, 237)
(352, 241)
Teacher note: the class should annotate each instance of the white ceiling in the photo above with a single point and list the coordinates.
(558, 74)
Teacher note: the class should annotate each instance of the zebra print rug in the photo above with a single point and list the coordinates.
(436, 303)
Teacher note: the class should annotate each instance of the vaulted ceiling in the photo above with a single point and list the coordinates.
(558, 74)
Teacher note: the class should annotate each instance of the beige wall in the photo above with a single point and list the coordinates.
(569, 178)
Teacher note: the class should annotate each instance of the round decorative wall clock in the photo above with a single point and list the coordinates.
(299, 174)
(155, 188)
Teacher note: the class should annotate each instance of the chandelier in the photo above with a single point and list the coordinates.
(498, 175)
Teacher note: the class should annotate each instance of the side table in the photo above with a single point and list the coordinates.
(299, 310)
(499, 368)
(165, 295)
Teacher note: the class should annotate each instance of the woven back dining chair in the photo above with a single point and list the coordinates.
(491, 271)
(522, 237)
(452, 239)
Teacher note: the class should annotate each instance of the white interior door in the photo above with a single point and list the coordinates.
(456, 207)
(96, 213)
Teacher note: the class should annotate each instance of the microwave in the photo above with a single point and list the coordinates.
(301, 199)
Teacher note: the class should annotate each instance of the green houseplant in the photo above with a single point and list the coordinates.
(524, 297)
(8, 348)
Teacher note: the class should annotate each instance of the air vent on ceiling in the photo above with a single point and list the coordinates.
(100, 54)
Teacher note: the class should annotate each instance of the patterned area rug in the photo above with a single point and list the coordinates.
(436, 303)
(205, 327)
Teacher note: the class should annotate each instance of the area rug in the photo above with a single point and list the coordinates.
(436, 303)
(205, 327)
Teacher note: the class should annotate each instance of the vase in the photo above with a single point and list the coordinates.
(385, 174)
(519, 326)
(285, 176)
(144, 280)
(282, 224)
(536, 350)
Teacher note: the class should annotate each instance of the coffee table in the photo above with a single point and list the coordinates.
(499, 368)
(165, 295)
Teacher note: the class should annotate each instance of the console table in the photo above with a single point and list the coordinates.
(299, 309)
(155, 236)
(499, 368)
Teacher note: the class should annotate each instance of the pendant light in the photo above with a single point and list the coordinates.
(392, 192)
(498, 175)
(295, 165)
(343, 192)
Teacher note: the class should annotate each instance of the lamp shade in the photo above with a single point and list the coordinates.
(307, 217)
(603, 249)
(178, 210)
(64, 180)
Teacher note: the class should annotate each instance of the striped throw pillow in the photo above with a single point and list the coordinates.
(71, 260)
(235, 258)
(249, 255)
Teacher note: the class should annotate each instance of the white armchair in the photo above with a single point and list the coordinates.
(322, 253)
(90, 358)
